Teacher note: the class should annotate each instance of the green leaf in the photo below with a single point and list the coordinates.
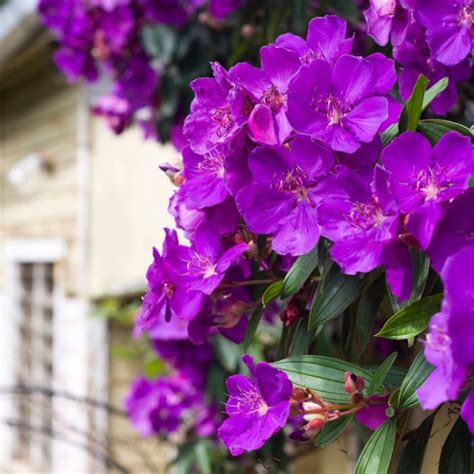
(421, 269)
(227, 353)
(159, 41)
(203, 457)
(325, 375)
(153, 368)
(389, 134)
(324, 257)
(458, 127)
(335, 293)
(412, 320)
(382, 372)
(332, 431)
(411, 460)
(456, 452)
(272, 293)
(434, 91)
(299, 273)
(367, 312)
(434, 129)
(393, 400)
(418, 372)
(377, 453)
(301, 339)
(252, 327)
(412, 111)
(471, 182)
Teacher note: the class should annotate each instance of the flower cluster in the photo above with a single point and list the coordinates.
(104, 37)
(432, 38)
(174, 403)
(448, 343)
(275, 158)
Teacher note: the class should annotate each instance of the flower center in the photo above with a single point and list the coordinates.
(366, 215)
(333, 107)
(213, 164)
(223, 118)
(466, 16)
(273, 98)
(335, 110)
(169, 289)
(428, 183)
(253, 401)
(202, 265)
(296, 182)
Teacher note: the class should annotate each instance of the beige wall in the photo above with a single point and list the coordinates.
(129, 199)
(38, 115)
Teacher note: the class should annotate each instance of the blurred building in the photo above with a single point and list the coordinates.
(80, 210)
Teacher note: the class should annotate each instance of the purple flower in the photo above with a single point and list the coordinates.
(172, 12)
(362, 221)
(221, 8)
(258, 407)
(415, 57)
(224, 216)
(423, 178)
(76, 63)
(116, 28)
(343, 107)
(267, 89)
(164, 298)
(449, 25)
(374, 416)
(211, 177)
(163, 406)
(202, 267)
(454, 232)
(218, 112)
(388, 18)
(450, 339)
(283, 197)
(116, 110)
(326, 40)
(138, 82)
(226, 314)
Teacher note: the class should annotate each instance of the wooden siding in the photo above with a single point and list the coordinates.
(38, 115)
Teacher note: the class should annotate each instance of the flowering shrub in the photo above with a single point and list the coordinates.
(326, 211)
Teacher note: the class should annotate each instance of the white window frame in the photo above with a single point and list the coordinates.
(17, 252)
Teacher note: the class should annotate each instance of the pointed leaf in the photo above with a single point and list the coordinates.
(301, 339)
(335, 293)
(434, 129)
(456, 453)
(382, 372)
(332, 431)
(299, 273)
(415, 377)
(367, 312)
(411, 460)
(412, 111)
(389, 134)
(434, 91)
(377, 453)
(203, 457)
(412, 320)
(325, 375)
(252, 327)
(272, 293)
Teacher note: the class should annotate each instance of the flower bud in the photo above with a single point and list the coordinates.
(353, 383)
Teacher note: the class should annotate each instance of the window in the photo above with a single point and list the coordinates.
(35, 285)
